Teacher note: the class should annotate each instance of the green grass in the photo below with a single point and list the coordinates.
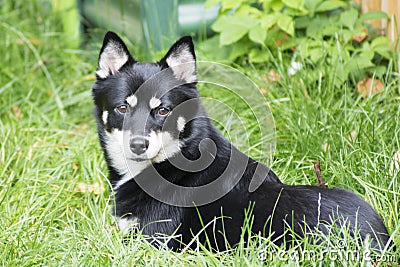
(49, 149)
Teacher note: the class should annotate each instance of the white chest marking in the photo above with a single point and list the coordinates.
(134, 168)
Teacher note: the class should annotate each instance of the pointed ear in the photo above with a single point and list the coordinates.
(113, 55)
(182, 60)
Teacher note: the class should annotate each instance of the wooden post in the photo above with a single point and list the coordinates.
(391, 7)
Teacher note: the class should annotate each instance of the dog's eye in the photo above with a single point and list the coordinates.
(162, 111)
(122, 109)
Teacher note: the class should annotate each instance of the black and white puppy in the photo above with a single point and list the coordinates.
(156, 137)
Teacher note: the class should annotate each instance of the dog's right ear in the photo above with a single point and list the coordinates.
(113, 55)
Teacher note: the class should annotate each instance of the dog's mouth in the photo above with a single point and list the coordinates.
(137, 159)
(143, 157)
(160, 147)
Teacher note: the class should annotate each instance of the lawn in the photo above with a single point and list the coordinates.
(54, 197)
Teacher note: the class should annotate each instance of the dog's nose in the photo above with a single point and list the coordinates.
(139, 145)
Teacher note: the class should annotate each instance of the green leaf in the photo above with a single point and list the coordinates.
(258, 35)
(230, 4)
(266, 4)
(349, 17)
(227, 21)
(372, 15)
(286, 24)
(232, 35)
(381, 42)
(330, 30)
(267, 21)
(367, 55)
(211, 3)
(311, 5)
(313, 50)
(335, 54)
(316, 54)
(292, 12)
(277, 5)
(378, 71)
(381, 45)
(246, 10)
(341, 75)
(385, 54)
(316, 26)
(207, 47)
(219, 24)
(314, 31)
(296, 4)
(292, 42)
(238, 50)
(358, 62)
(258, 56)
(232, 28)
(347, 35)
(330, 5)
(302, 22)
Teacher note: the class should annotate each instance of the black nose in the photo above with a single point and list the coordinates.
(139, 145)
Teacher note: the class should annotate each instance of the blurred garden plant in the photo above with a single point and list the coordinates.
(319, 33)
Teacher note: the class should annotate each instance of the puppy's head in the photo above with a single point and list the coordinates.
(144, 110)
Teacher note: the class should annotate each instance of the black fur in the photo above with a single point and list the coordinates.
(274, 202)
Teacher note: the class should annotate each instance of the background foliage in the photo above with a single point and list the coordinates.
(319, 33)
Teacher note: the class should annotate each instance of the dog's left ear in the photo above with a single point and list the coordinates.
(182, 60)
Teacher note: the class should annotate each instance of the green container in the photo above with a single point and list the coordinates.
(156, 23)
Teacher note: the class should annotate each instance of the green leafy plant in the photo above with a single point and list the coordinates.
(318, 32)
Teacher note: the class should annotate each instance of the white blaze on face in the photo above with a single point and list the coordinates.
(105, 117)
(154, 102)
(132, 100)
(134, 168)
(181, 123)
